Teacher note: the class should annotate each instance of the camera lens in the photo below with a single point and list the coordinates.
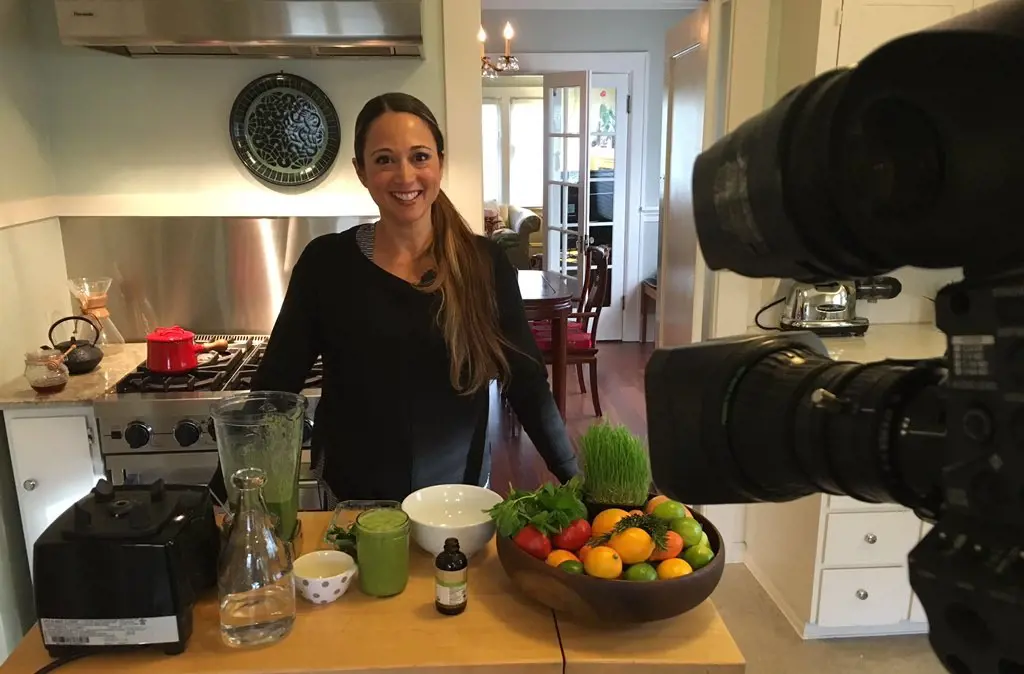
(787, 421)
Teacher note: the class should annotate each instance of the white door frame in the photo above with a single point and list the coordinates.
(635, 65)
(555, 140)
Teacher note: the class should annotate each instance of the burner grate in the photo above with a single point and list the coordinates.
(214, 371)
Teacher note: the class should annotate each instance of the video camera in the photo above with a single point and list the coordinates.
(915, 157)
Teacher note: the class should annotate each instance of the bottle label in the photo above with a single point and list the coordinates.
(450, 588)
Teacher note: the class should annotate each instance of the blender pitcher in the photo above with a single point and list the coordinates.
(263, 429)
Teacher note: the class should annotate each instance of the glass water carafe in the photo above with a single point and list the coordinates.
(263, 429)
(254, 579)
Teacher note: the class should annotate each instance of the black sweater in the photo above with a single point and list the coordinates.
(389, 421)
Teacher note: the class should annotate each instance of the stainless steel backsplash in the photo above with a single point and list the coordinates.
(209, 275)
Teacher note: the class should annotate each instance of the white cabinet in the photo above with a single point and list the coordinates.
(869, 539)
(55, 462)
(863, 597)
(868, 24)
(917, 613)
(834, 569)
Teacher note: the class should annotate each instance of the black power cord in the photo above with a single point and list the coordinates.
(757, 316)
(60, 662)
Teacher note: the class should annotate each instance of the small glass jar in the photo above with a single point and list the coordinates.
(382, 547)
(45, 371)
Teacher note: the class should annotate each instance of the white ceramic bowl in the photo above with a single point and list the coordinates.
(451, 511)
(324, 575)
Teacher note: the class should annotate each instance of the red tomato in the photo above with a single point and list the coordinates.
(533, 541)
(573, 536)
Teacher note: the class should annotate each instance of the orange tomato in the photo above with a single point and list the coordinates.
(636, 512)
(674, 545)
(585, 550)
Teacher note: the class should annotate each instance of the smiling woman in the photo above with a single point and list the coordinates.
(414, 316)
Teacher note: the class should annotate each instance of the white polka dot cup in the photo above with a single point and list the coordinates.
(324, 575)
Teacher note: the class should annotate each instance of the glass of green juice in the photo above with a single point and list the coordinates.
(382, 547)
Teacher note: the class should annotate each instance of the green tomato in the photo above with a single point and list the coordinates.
(572, 566)
(698, 556)
(689, 528)
(704, 540)
(641, 572)
(669, 510)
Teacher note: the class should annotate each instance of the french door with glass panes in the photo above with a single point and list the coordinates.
(606, 156)
(585, 148)
(566, 189)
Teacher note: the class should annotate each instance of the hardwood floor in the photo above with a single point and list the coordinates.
(621, 382)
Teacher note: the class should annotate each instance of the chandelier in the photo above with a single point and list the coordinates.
(502, 64)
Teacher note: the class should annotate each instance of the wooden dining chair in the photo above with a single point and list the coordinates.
(581, 332)
(575, 322)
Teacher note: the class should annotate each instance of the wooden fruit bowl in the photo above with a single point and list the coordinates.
(619, 601)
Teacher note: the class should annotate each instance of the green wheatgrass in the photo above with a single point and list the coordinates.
(616, 466)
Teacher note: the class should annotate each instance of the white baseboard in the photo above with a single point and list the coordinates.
(902, 628)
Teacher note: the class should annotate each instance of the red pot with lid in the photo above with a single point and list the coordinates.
(174, 350)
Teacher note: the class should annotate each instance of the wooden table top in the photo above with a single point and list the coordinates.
(539, 286)
(500, 632)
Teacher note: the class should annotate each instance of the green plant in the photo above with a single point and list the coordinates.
(616, 466)
(550, 509)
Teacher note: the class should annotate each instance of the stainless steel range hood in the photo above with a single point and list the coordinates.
(244, 28)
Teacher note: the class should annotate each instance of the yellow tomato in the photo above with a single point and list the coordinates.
(603, 562)
(558, 556)
(606, 521)
(634, 545)
(673, 568)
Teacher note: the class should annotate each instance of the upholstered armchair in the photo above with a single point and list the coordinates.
(511, 229)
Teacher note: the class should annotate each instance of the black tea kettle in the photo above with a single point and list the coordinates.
(85, 356)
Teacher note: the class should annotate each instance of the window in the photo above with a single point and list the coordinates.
(513, 145)
(526, 152)
(492, 151)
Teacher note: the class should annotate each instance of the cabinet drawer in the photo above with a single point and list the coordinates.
(846, 504)
(874, 538)
(855, 597)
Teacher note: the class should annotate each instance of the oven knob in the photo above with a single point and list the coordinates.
(307, 431)
(137, 434)
(187, 432)
(212, 430)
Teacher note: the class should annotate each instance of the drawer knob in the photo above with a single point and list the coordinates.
(862, 594)
(870, 539)
(30, 485)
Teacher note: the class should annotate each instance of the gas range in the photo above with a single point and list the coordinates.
(157, 425)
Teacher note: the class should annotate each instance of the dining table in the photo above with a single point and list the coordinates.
(548, 296)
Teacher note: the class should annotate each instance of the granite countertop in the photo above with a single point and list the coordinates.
(118, 360)
(898, 340)
(885, 340)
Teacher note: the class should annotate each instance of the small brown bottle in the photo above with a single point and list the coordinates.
(450, 579)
